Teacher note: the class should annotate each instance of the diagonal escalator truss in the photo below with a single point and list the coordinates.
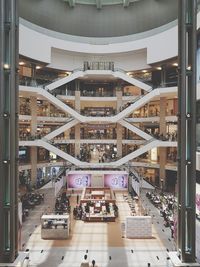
(136, 104)
(152, 143)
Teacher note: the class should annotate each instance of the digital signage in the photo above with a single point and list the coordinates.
(116, 180)
(79, 180)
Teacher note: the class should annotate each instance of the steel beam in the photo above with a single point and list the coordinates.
(8, 130)
(187, 130)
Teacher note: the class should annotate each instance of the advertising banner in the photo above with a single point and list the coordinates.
(116, 180)
(78, 180)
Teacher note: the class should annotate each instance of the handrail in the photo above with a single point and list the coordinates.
(138, 98)
(98, 65)
(76, 70)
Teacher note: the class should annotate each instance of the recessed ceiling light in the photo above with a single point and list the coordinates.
(175, 64)
(159, 68)
(38, 67)
(21, 63)
(144, 71)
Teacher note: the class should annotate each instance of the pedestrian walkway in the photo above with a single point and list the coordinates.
(103, 242)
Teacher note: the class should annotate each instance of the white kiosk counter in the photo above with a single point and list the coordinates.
(138, 227)
(54, 226)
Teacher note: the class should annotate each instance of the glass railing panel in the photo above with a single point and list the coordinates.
(98, 65)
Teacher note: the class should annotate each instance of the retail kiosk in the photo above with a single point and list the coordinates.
(99, 200)
(54, 226)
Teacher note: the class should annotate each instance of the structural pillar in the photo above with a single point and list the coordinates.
(9, 130)
(186, 130)
(33, 152)
(119, 126)
(77, 126)
(162, 150)
(163, 77)
(33, 75)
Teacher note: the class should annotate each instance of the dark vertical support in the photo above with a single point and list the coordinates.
(163, 76)
(187, 129)
(77, 85)
(8, 130)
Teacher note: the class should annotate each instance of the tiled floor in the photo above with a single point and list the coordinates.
(103, 241)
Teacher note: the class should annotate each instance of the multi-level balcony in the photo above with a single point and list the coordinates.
(62, 116)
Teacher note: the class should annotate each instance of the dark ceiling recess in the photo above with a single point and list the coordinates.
(88, 21)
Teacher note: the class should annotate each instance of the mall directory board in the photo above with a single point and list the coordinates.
(78, 180)
(118, 181)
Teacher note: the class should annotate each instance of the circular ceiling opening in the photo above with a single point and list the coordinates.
(99, 18)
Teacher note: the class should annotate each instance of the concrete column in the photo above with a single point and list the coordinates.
(119, 127)
(33, 107)
(66, 135)
(163, 159)
(77, 139)
(33, 165)
(119, 100)
(49, 108)
(77, 101)
(163, 77)
(77, 127)
(119, 140)
(163, 150)
(163, 108)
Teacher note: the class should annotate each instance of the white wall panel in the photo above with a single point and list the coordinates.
(34, 44)
(97, 180)
(39, 45)
(61, 59)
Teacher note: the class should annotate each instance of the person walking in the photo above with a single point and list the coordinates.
(93, 263)
(85, 262)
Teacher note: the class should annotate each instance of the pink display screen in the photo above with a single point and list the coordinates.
(79, 180)
(116, 180)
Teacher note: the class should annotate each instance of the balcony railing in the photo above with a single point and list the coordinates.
(95, 65)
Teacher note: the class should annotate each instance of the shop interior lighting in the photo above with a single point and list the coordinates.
(68, 72)
(6, 66)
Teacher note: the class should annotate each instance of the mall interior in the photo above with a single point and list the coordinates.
(97, 133)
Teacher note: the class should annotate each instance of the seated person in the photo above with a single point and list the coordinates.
(49, 224)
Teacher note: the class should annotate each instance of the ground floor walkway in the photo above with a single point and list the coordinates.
(103, 242)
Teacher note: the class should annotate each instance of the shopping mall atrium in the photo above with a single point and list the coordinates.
(99, 133)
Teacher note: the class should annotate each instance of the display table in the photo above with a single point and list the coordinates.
(99, 218)
(55, 226)
(97, 194)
